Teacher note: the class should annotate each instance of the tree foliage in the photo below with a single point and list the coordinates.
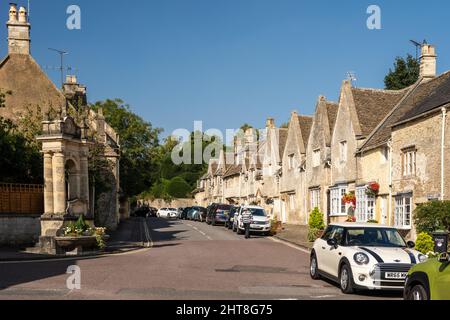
(406, 72)
(432, 216)
(138, 142)
(20, 160)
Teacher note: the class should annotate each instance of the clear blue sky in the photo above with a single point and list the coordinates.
(228, 62)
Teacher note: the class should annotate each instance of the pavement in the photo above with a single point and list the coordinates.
(295, 234)
(128, 237)
(178, 260)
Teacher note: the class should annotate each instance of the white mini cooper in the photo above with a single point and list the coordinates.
(363, 256)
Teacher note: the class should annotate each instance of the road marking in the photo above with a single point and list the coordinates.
(199, 231)
(290, 245)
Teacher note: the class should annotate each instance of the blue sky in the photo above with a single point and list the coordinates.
(227, 62)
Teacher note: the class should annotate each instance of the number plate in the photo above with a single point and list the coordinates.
(396, 275)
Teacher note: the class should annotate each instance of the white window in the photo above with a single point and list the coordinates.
(385, 154)
(365, 205)
(409, 162)
(343, 151)
(292, 201)
(338, 206)
(315, 199)
(291, 162)
(403, 210)
(316, 158)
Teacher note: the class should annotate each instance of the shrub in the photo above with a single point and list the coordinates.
(432, 216)
(314, 234)
(424, 243)
(316, 220)
(178, 188)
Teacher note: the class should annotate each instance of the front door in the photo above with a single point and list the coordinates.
(383, 210)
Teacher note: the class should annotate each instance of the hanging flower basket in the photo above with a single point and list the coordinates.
(373, 189)
(351, 219)
(350, 199)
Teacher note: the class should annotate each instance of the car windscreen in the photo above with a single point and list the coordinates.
(257, 212)
(374, 237)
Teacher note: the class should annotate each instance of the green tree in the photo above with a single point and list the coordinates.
(139, 142)
(178, 188)
(432, 216)
(406, 72)
(20, 160)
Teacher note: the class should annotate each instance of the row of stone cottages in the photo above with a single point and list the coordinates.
(375, 154)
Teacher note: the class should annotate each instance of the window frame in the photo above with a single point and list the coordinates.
(403, 210)
(337, 204)
(365, 205)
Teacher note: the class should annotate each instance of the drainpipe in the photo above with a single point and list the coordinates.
(444, 118)
(391, 155)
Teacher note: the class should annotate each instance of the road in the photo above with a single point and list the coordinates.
(184, 260)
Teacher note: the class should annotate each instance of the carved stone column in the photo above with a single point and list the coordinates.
(48, 184)
(59, 184)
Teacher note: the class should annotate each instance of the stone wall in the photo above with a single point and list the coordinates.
(19, 229)
(177, 203)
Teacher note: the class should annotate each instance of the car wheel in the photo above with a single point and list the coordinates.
(418, 293)
(314, 269)
(239, 232)
(346, 280)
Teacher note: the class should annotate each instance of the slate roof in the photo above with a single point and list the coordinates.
(305, 123)
(233, 170)
(282, 140)
(332, 110)
(372, 106)
(438, 96)
(30, 86)
(420, 98)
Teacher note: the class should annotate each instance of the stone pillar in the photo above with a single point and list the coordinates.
(59, 184)
(84, 183)
(48, 184)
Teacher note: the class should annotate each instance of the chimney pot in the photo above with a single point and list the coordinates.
(270, 123)
(12, 12)
(23, 15)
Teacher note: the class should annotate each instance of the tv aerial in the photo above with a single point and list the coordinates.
(418, 46)
(61, 68)
(351, 75)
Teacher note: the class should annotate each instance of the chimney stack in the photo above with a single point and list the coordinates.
(18, 31)
(270, 123)
(428, 61)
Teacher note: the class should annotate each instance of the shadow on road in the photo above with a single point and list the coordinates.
(16, 274)
(371, 293)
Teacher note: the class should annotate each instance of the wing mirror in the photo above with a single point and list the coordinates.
(444, 258)
(332, 243)
(411, 244)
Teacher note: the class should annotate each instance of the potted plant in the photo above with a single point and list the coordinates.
(316, 225)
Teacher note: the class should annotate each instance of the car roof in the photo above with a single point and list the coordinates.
(252, 207)
(360, 225)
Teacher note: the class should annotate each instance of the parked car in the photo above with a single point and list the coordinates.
(190, 214)
(143, 212)
(363, 256)
(153, 212)
(229, 223)
(218, 214)
(179, 212)
(185, 212)
(200, 214)
(169, 213)
(261, 222)
(429, 280)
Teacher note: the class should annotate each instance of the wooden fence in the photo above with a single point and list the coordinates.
(21, 198)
